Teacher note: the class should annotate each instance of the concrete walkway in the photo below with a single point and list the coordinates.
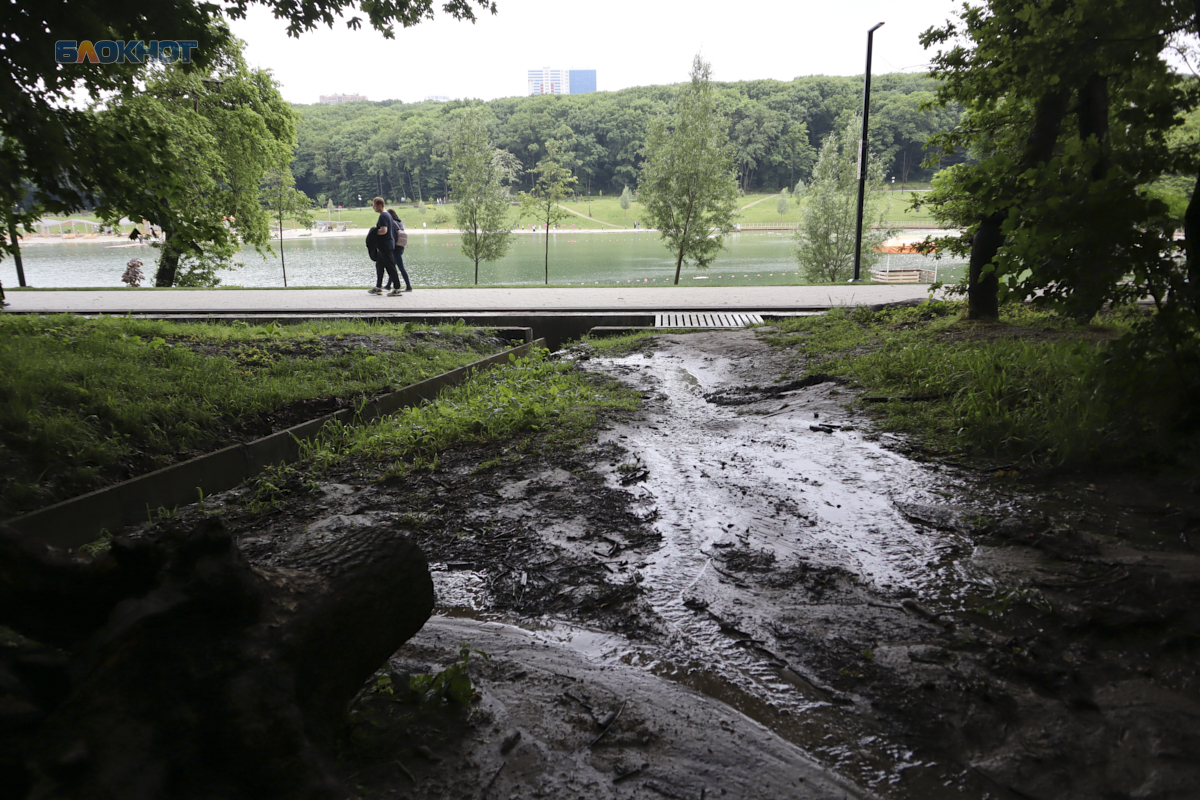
(777, 299)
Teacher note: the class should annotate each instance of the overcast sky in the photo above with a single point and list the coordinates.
(633, 43)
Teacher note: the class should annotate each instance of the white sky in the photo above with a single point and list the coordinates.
(632, 43)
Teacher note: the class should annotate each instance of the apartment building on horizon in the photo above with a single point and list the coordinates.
(331, 99)
(561, 81)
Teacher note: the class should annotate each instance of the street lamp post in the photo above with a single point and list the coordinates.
(862, 158)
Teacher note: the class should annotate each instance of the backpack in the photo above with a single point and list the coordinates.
(401, 237)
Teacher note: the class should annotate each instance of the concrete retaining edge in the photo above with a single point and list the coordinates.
(83, 519)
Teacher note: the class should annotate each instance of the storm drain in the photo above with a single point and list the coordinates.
(706, 320)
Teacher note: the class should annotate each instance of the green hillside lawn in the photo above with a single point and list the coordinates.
(595, 213)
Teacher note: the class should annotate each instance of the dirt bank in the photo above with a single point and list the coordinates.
(746, 592)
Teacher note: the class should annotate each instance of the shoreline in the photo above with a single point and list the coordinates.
(292, 235)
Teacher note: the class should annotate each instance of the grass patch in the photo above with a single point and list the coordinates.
(1034, 389)
(622, 344)
(86, 403)
(536, 401)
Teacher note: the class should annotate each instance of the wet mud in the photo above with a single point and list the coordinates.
(776, 602)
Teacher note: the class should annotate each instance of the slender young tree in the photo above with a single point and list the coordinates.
(688, 182)
(626, 201)
(824, 239)
(478, 174)
(283, 199)
(552, 186)
(782, 205)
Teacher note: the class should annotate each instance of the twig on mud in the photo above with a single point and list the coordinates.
(664, 791)
(407, 774)
(631, 773)
(583, 703)
(888, 606)
(495, 775)
(608, 727)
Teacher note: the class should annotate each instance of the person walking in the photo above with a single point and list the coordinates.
(382, 241)
(401, 243)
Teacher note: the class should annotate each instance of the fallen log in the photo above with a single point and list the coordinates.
(173, 668)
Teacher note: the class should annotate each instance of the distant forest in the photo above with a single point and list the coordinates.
(397, 149)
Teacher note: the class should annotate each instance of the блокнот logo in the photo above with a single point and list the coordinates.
(107, 51)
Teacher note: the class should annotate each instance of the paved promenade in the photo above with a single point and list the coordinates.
(779, 299)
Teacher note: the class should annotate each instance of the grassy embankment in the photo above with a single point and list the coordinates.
(596, 213)
(89, 402)
(534, 404)
(1034, 390)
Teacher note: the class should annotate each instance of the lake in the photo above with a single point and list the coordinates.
(433, 260)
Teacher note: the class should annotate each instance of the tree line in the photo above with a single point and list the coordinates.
(397, 149)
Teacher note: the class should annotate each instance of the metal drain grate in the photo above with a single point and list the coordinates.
(706, 320)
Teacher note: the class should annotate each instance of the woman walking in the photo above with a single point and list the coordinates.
(401, 243)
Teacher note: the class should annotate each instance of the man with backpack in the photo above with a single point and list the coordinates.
(381, 245)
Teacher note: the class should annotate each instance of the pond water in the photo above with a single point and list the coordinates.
(435, 260)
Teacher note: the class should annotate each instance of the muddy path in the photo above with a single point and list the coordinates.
(774, 601)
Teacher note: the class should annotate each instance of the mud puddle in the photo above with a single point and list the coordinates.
(920, 631)
(776, 481)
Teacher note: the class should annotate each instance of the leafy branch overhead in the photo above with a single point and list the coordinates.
(1070, 109)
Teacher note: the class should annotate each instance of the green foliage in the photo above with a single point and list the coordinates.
(553, 185)
(1039, 390)
(283, 200)
(220, 134)
(825, 237)
(1069, 124)
(688, 183)
(782, 205)
(478, 173)
(776, 128)
(530, 397)
(84, 402)
(451, 685)
(626, 200)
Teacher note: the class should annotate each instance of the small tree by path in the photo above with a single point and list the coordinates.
(783, 205)
(825, 236)
(281, 196)
(478, 173)
(688, 181)
(626, 201)
(553, 185)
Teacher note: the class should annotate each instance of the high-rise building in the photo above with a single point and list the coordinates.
(330, 99)
(561, 81)
(582, 81)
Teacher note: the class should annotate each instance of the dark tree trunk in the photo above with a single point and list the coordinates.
(983, 290)
(1097, 266)
(168, 264)
(1191, 221)
(182, 671)
(15, 238)
(1191, 240)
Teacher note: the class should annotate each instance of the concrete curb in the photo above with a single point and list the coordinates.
(83, 519)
